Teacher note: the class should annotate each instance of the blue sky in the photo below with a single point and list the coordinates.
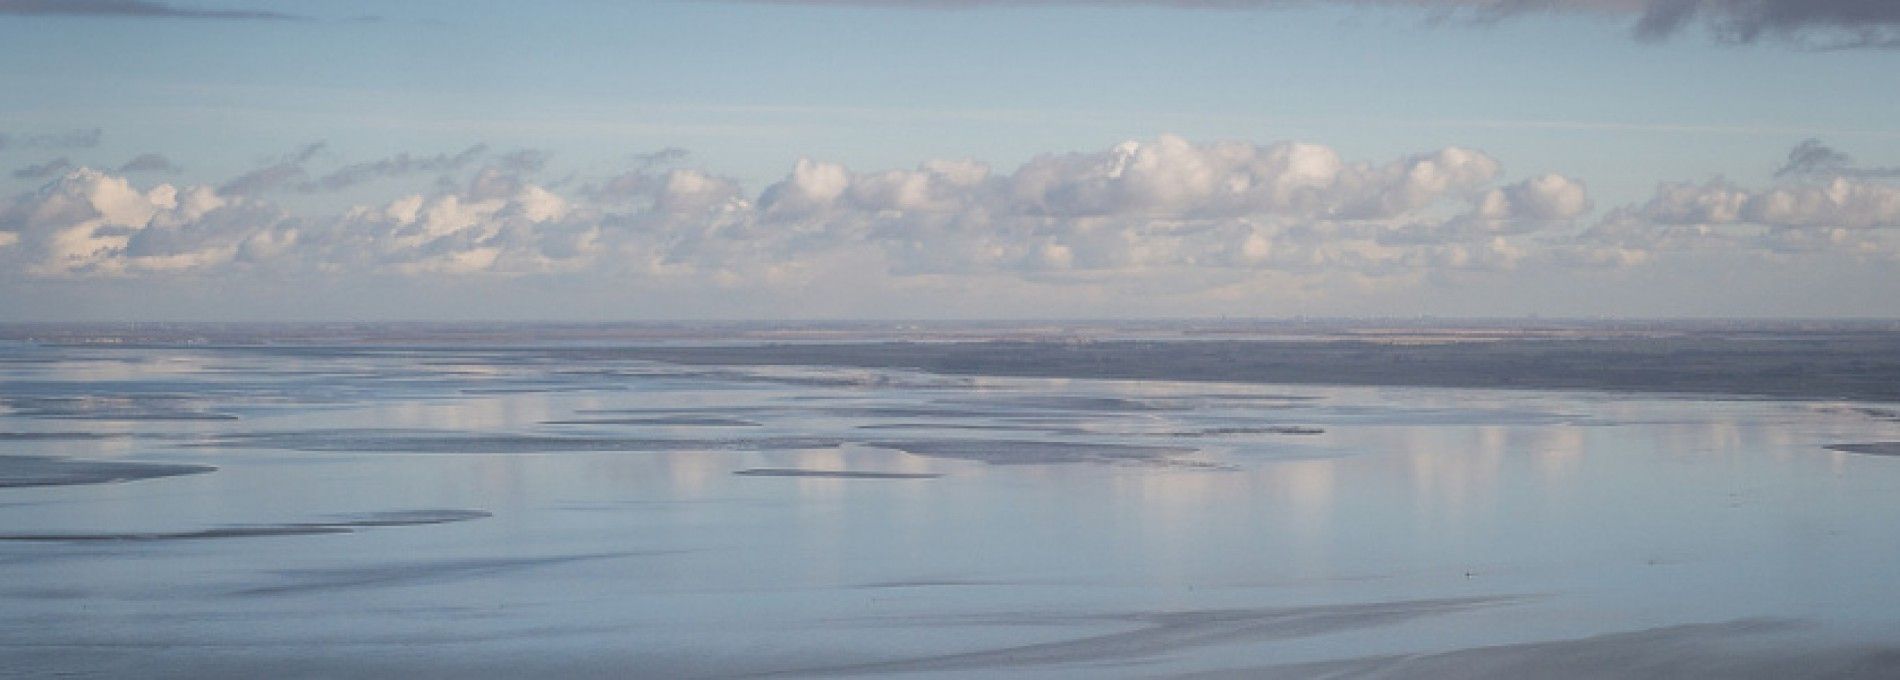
(747, 89)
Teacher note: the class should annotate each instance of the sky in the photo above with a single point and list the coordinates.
(835, 159)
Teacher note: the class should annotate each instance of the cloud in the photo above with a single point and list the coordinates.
(291, 172)
(1135, 210)
(523, 161)
(149, 162)
(1824, 209)
(1817, 23)
(1826, 24)
(482, 228)
(1811, 158)
(286, 170)
(1545, 198)
(643, 180)
(1839, 202)
(44, 170)
(72, 139)
(661, 157)
(394, 166)
(88, 223)
(1714, 202)
(145, 9)
(1161, 214)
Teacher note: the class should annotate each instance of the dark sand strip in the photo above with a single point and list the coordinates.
(1869, 449)
(129, 416)
(1043, 429)
(834, 474)
(1160, 633)
(129, 408)
(929, 583)
(405, 518)
(660, 421)
(59, 436)
(1272, 429)
(1074, 403)
(690, 411)
(140, 537)
(1002, 452)
(1736, 650)
(23, 471)
(319, 580)
(438, 441)
(345, 525)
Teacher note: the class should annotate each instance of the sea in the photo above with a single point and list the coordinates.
(424, 502)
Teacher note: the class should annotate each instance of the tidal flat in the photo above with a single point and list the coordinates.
(474, 501)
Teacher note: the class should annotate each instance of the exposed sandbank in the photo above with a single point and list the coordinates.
(834, 474)
(1016, 452)
(1735, 650)
(341, 525)
(1869, 448)
(22, 471)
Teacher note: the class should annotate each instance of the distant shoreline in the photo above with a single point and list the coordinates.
(1855, 367)
(1857, 361)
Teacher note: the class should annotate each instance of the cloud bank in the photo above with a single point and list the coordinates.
(1815, 24)
(290, 172)
(149, 162)
(141, 9)
(1839, 215)
(1826, 24)
(1812, 158)
(71, 139)
(1162, 214)
(43, 170)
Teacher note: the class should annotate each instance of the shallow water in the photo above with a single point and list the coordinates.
(440, 512)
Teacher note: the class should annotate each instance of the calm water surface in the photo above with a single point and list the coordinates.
(461, 513)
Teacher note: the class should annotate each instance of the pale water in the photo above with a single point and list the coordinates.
(449, 512)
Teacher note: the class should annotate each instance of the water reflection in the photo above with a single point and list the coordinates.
(1615, 513)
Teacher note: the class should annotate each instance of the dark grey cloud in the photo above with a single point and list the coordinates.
(665, 156)
(150, 162)
(144, 9)
(1815, 23)
(393, 166)
(288, 170)
(44, 170)
(291, 171)
(1820, 24)
(1812, 158)
(641, 181)
(525, 161)
(71, 139)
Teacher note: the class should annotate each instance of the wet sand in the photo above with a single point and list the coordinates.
(834, 474)
(341, 525)
(22, 471)
(1157, 633)
(660, 421)
(1737, 650)
(306, 581)
(1869, 449)
(449, 442)
(1034, 452)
